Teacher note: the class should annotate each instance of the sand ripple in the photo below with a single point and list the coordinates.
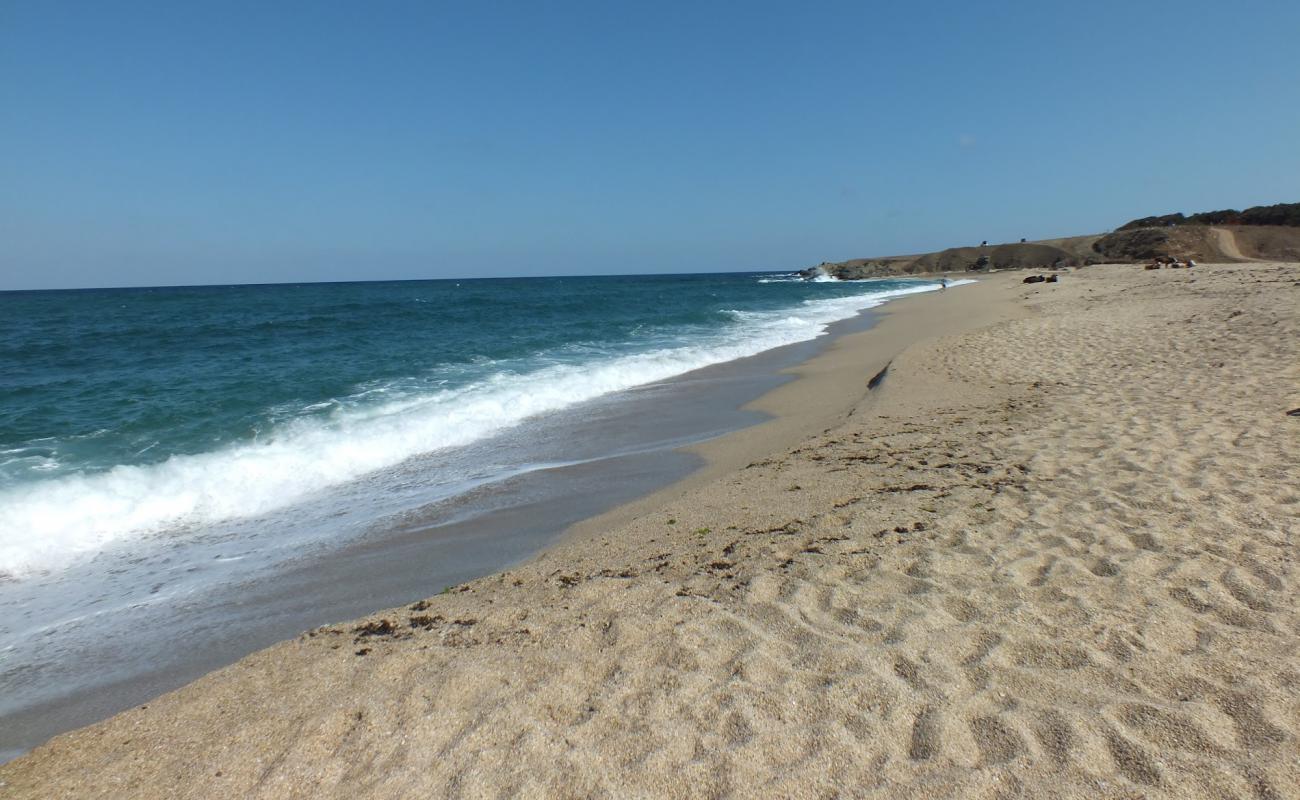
(1054, 557)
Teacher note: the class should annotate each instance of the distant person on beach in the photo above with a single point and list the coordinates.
(943, 287)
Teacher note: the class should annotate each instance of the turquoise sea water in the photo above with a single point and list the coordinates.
(134, 414)
(189, 474)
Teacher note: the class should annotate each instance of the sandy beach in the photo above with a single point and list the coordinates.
(1048, 552)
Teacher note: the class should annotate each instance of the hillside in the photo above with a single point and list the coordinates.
(1068, 252)
(1271, 233)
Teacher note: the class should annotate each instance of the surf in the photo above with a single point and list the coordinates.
(48, 523)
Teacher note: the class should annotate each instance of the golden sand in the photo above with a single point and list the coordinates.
(1052, 554)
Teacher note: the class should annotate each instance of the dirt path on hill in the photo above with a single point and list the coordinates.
(1227, 242)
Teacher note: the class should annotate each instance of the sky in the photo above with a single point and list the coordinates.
(174, 143)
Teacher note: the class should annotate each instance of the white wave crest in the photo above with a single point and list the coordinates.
(795, 277)
(46, 524)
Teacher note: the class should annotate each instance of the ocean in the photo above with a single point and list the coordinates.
(161, 445)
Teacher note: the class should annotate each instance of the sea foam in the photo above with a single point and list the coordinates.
(48, 523)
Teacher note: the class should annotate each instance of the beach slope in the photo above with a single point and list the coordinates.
(1054, 555)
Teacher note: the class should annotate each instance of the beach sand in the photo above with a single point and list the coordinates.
(1051, 554)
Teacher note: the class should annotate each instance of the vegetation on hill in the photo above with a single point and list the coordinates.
(1280, 214)
(1071, 252)
(1144, 244)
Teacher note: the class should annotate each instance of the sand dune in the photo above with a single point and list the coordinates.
(1051, 557)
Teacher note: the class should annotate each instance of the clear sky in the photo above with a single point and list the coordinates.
(225, 142)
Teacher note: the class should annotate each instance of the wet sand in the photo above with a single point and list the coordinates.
(1051, 553)
(584, 460)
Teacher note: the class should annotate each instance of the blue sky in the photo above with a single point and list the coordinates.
(173, 143)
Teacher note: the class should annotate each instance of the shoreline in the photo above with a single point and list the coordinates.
(826, 387)
(1053, 552)
(234, 620)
